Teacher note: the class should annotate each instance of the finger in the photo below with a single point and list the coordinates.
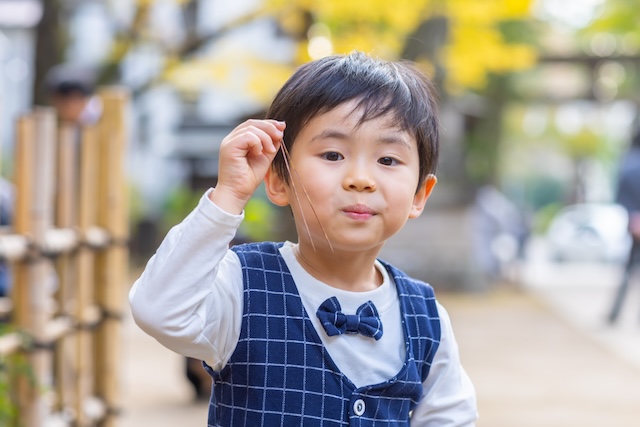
(257, 147)
(260, 143)
(277, 145)
(273, 128)
(250, 142)
(277, 123)
(267, 136)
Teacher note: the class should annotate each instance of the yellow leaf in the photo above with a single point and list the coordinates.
(145, 3)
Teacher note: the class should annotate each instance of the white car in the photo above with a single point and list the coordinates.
(590, 232)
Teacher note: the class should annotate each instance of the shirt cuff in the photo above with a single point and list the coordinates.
(217, 214)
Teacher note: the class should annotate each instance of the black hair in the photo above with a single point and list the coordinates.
(69, 79)
(380, 87)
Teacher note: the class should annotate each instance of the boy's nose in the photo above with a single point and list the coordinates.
(358, 179)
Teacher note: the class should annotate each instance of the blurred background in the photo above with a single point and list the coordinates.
(523, 236)
(538, 97)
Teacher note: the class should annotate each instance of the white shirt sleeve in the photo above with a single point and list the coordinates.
(449, 398)
(189, 296)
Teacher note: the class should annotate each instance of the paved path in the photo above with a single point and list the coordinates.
(155, 391)
(531, 367)
(539, 354)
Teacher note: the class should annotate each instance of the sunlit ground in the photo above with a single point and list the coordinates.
(541, 353)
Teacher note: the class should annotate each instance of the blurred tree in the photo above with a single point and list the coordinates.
(465, 45)
(464, 37)
(50, 39)
(581, 148)
(613, 40)
(617, 17)
(466, 40)
(609, 48)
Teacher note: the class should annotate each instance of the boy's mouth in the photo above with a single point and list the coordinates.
(360, 212)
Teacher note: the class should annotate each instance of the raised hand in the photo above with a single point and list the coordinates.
(245, 156)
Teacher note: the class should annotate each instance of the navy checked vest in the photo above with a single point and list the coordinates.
(280, 374)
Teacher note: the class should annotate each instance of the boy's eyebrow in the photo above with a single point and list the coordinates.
(383, 139)
(330, 134)
(392, 139)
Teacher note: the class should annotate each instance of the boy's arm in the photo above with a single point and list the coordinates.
(189, 296)
(449, 398)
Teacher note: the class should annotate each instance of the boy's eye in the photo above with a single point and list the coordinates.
(332, 156)
(387, 161)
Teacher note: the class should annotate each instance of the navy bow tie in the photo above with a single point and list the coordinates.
(366, 321)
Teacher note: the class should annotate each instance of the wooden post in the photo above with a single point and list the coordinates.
(43, 279)
(85, 294)
(66, 207)
(20, 291)
(25, 141)
(111, 264)
(33, 277)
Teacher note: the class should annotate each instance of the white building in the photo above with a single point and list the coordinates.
(18, 19)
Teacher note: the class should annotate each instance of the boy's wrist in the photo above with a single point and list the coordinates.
(227, 200)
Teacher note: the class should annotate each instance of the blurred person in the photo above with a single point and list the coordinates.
(628, 192)
(628, 195)
(500, 232)
(7, 200)
(72, 92)
(318, 332)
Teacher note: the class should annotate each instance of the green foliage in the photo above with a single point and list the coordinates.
(582, 144)
(177, 206)
(12, 367)
(619, 16)
(259, 214)
(136, 207)
(519, 31)
(480, 157)
(259, 220)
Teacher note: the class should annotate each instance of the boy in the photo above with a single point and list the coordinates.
(317, 332)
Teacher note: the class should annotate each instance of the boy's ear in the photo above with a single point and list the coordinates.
(422, 195)
(276, 188)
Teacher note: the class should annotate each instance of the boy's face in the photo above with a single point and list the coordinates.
(360, 178)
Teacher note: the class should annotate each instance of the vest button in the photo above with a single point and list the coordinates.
(359, 407)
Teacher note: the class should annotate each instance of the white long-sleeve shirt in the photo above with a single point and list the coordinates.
(190, 298)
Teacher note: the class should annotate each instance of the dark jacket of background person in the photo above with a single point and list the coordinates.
(628, 192)
(7, 195)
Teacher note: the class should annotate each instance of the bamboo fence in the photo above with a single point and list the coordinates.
(67, 249)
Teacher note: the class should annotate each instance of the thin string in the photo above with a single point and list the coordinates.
(287, 159)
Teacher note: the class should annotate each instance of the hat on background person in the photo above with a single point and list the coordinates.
(66, 79)
(71, 88)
